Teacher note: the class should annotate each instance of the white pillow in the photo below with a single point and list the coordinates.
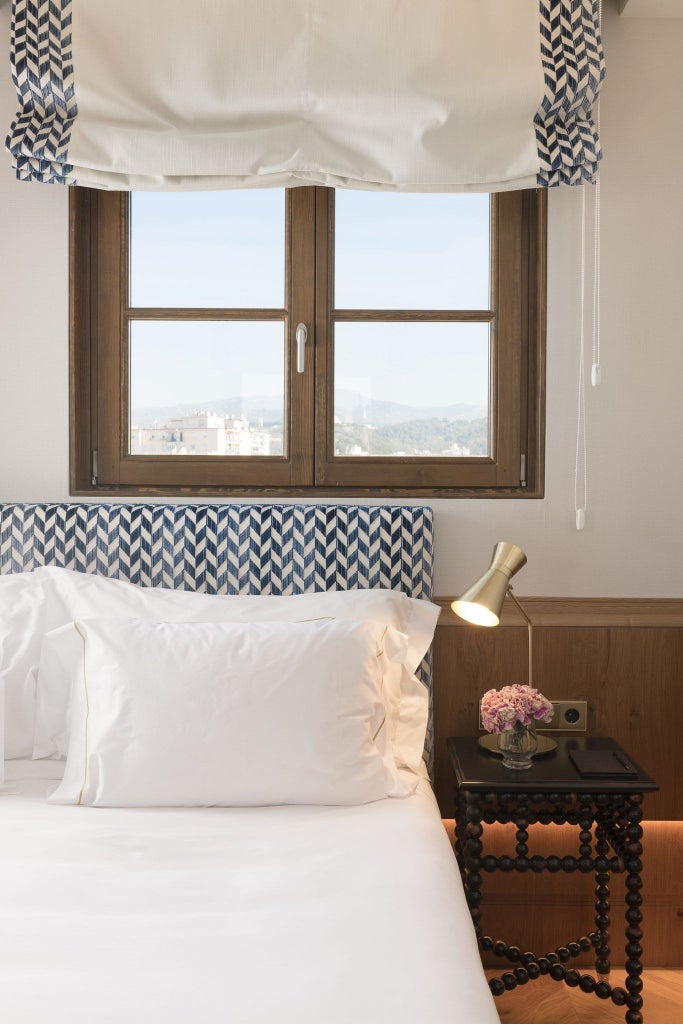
(23, 610)
(2, 730)
(59, 649)
(77, 595)
(228, 714)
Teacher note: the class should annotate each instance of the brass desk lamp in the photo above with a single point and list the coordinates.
(481, 603)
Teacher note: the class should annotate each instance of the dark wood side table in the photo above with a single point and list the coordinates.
(607, 811)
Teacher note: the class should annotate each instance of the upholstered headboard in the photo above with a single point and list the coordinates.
(231, 549)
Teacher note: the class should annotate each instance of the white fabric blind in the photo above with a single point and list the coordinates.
(440, 95)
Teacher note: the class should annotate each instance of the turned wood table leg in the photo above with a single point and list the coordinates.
(472, 856)
(633, 864)
(602, 904)
(460, 824)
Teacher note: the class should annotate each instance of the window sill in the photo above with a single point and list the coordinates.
(367, 493)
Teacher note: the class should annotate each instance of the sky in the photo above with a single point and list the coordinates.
(393, 251)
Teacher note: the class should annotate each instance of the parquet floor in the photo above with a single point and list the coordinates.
(550, 1002)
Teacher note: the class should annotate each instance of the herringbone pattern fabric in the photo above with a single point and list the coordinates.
(227, 549)
(570, 50)
(230, 549)
(42, 70)
(573, 68)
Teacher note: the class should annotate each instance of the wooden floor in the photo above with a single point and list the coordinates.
(550, 1002)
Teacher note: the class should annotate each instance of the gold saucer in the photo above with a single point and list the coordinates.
(489, 742)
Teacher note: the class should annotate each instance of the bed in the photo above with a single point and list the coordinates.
(231, 914)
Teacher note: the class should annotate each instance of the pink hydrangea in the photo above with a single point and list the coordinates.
(503, 709)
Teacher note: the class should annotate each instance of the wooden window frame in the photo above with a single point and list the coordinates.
(99, 317)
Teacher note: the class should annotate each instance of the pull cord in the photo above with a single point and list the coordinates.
(581, 461)
(596, 368)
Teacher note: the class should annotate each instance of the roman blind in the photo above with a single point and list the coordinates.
(435, 95)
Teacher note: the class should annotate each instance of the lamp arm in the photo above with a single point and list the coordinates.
(529, 626)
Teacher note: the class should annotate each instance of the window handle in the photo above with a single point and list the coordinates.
(301, 339)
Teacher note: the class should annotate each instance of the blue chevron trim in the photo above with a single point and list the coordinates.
(232, 549)
(42, 70)
(573, 68)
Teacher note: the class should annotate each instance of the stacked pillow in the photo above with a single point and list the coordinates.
(23, 625)
(336, 667)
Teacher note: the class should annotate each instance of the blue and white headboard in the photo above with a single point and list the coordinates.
(231, 549)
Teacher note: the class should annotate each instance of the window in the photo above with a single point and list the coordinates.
(307, 341)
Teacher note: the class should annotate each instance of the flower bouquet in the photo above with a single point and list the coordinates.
(512, 713)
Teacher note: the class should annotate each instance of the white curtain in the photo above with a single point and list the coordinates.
(415, 95)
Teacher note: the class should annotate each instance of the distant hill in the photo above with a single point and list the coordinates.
(253, 408)
(435, 436)
(350, 407)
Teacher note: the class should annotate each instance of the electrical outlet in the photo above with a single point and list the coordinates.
(568, 715)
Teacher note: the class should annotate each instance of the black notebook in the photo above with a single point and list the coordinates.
(602, 764)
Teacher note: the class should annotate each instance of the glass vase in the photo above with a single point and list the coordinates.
(518, 745)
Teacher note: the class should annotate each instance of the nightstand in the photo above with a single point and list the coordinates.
(607, 813)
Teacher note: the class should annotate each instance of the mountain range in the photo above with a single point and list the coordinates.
(350, 407)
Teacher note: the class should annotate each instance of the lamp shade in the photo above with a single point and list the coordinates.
(482, 602)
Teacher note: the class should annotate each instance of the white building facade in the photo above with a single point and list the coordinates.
(201, 433)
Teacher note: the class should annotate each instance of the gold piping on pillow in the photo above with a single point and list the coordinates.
(87, 717)
(379, 727)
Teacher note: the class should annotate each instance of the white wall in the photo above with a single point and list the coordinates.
(633, 541)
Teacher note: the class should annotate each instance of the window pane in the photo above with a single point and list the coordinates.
(206, 388)
(208, 249)
(416, 389)
(411, 251)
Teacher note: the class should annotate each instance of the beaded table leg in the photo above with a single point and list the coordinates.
(602, 905)
(522, 836)
(585, 838)
(472, 855)
(633, 864)
(460, 825)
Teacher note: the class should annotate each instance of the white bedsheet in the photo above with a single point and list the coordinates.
(313, 915)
